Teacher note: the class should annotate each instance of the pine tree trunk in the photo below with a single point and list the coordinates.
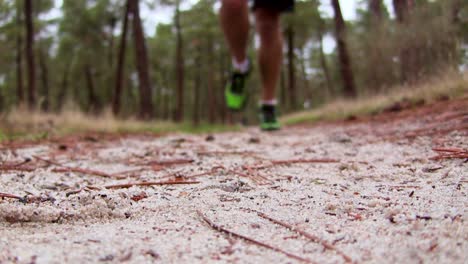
(306, 92)
(375, 76)
(19, 55)
(212, 98)
(343, 52)
(112, 24)
(119, 77)
(28, 13)
(323, 62)
(141, 56)
(92, 98)
(179, 67)
(197, 88)
(455, 8)
(64, 86)
(408, 70)
(375, 6)
(291, 68)
(109, 77)
(45, 81)
(223, 80)
(283, 88)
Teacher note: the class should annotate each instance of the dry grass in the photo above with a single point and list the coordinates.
(21, 123)
(447, 85)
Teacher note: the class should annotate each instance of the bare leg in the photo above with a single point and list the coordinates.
(234, 17)
(270, 52)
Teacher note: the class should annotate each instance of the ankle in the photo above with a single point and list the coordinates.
(271, 102)
(242, 67)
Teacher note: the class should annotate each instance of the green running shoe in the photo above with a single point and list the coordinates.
(268, 121)
(235, 92)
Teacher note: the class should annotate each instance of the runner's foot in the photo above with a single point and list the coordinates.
(236, 92)
(268, 120)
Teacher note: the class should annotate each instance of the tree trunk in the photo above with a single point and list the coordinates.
(119, 77)
(45, 81)
(212, 98)
(291, 68)
(375, 6)
(112, 24)
(64, 86)
(375, 76)
(323, 62)
(19, 55)
(402, 9)
(146, 104)
(196, 90)
(455, 10)
(343, 53)
(408, 70)
(109, 76)
(28, 13)
(223, 80)
(93, 105)
(306, 93)
(179, 66)
(92, 98)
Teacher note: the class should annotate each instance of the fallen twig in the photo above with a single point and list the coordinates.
(255, 175)
(84, 171)
(11, 196)
(451, 150)
(452, 156)
(254, 178)
(450, 153)
(86, 188)
(27, 199)
(128, 172)
(303, 233)
(432, 130)
(15, 167)
(210, 172)
(169, 162)
(404, 186)
(251, 240)
(295, 161)
(50, 162)
(64, 168)
(128, 185)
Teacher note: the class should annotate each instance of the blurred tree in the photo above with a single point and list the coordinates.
(323, 59)
(343, 52)
(19, 52)
(403, 9)
(291, 67)
(179, 59)
(163, 44)
(141, 56)
(119, 77)
(30, 58)
(179, 64)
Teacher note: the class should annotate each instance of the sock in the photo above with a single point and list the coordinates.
(271, 102)
(241, 67)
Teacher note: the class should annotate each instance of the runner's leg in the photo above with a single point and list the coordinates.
(234, 17)
(270, 51)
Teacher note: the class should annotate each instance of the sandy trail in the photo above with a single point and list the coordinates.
(367, 188)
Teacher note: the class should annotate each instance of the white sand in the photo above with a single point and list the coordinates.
(379, 204)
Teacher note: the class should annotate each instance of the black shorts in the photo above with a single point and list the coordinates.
(276, 5)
